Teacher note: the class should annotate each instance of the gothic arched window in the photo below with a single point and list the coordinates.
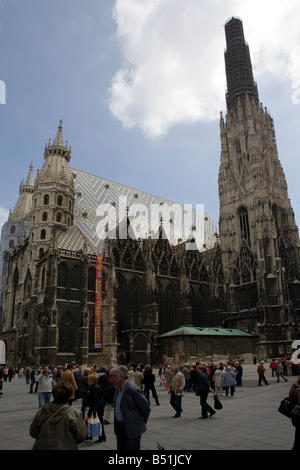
(134, 299)
(46, 200)
(244, 224)
(62, 275)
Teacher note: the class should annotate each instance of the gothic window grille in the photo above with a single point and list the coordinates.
(116, 257)
(121, 305)
(244, 225)
(163, 267)
(174, 268)
(45, 216)
(59, 201)
(75, 283)
(193, 349)
(62, 276)
(46, 200)
(203, 274)
(246, 277)
(236, 278)
(239, 348)
(169, 349)
(43, 234)
(170, 309)
(127, 260)
(194, 272)
(91, 284)
(134, 301)
(139, 262)
(208, 348)
(225, 348)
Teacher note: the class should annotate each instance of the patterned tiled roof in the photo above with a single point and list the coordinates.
(73, 240)
(93, 191)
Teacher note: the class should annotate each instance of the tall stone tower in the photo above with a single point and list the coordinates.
(259, 238)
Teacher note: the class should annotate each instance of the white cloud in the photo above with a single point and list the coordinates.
(173, 63)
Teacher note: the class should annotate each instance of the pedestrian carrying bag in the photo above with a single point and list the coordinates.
(286, 406)
(94, 425)
(217, 404)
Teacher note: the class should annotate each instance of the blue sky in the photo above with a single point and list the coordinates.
(139, 85)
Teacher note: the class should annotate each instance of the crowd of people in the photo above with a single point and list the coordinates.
(100, 389)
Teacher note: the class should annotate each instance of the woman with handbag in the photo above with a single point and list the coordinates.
(295, 393)
(202, 389)
(96, 403)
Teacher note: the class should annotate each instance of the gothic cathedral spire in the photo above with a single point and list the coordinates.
(258, 234)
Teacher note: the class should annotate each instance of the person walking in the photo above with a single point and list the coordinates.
(67, 378)
(131, 411)
(239, 374)
(149, 380)
(57, 426)
(177, 384)
(229, 381)
(203, 388)
(218, 380)
(139, 377)
(186, 372)
(96, 403)
(109, 399)
(83, 389)
(33, 383)
(295, 392)
(279, 372)
(273, 366)
(45, 385)
(261, 373)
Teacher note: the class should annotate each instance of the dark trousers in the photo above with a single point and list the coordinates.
(175, 401)
(205, 407)
(261, 378)
(123, 441)
(154, 393)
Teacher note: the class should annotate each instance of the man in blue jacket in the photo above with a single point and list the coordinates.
(131, 410)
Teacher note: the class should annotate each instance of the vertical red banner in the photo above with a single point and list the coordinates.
(98, 302)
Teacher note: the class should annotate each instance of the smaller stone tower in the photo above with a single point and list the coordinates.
(53, 195)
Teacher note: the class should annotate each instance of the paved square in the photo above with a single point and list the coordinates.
(248, 421)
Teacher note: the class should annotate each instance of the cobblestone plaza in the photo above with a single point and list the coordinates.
(249, 420)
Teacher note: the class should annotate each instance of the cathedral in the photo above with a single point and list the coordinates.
(95, 287)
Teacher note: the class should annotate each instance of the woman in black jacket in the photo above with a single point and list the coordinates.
(96, 403)
(148, 381)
